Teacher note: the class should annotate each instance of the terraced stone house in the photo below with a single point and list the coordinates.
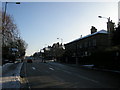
(85, 46)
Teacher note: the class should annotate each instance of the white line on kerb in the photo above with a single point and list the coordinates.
(51, 68)
(33, 68)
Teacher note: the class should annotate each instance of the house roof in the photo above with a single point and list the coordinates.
(101, 31)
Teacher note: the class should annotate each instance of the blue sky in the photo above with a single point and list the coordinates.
(41, 23)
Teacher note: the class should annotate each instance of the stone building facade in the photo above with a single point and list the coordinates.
(87, 45)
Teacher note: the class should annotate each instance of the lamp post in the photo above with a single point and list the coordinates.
(5, 16)
(6, 8)
(110, 24)
(105, 18)
(41, 54)
(62, 43)
(61, 40)
(110, 28)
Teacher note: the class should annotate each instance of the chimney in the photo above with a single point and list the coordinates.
(93, 30)
(110, 26)
(80, 36)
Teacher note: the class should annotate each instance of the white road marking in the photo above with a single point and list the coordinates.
(83, 77)
(28, 84)
(29, 87)
(51, 68)
(33, 68)
(86, 78)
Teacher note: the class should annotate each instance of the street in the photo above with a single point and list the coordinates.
(56, 75)
(60, 44)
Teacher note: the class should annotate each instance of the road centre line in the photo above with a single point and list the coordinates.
(76, 74)
(33, 68)
(51, 68)
(83, 77)
(86, 78)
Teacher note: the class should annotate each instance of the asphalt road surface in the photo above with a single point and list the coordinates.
(56, 75)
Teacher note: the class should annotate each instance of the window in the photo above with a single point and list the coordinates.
(89, 43)
(94, 42)
(80, 46)
(85, 44)
(86, 53)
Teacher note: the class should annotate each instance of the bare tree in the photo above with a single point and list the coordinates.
(22, 46)
(9, 29)
(11, 39)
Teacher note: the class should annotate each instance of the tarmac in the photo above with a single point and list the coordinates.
(11, 74)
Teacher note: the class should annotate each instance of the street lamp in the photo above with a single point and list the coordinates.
(17, 2)
(5, 15)
(110, 24)
(110, 28)
(61, 40)
(6, 8)
(105, 18)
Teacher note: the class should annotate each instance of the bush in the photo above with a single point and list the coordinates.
(106, 59)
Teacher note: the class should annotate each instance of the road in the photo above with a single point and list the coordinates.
(56, 75)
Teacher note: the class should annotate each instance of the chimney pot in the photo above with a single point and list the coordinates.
(93, 30)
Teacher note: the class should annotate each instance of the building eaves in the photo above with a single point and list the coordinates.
(101, 31)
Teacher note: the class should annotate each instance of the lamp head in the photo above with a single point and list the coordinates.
(100, 16)
(17, 2)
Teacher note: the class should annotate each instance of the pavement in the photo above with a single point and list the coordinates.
(92, 67)
(11, 75)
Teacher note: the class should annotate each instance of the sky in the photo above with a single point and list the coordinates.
(41, 23)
